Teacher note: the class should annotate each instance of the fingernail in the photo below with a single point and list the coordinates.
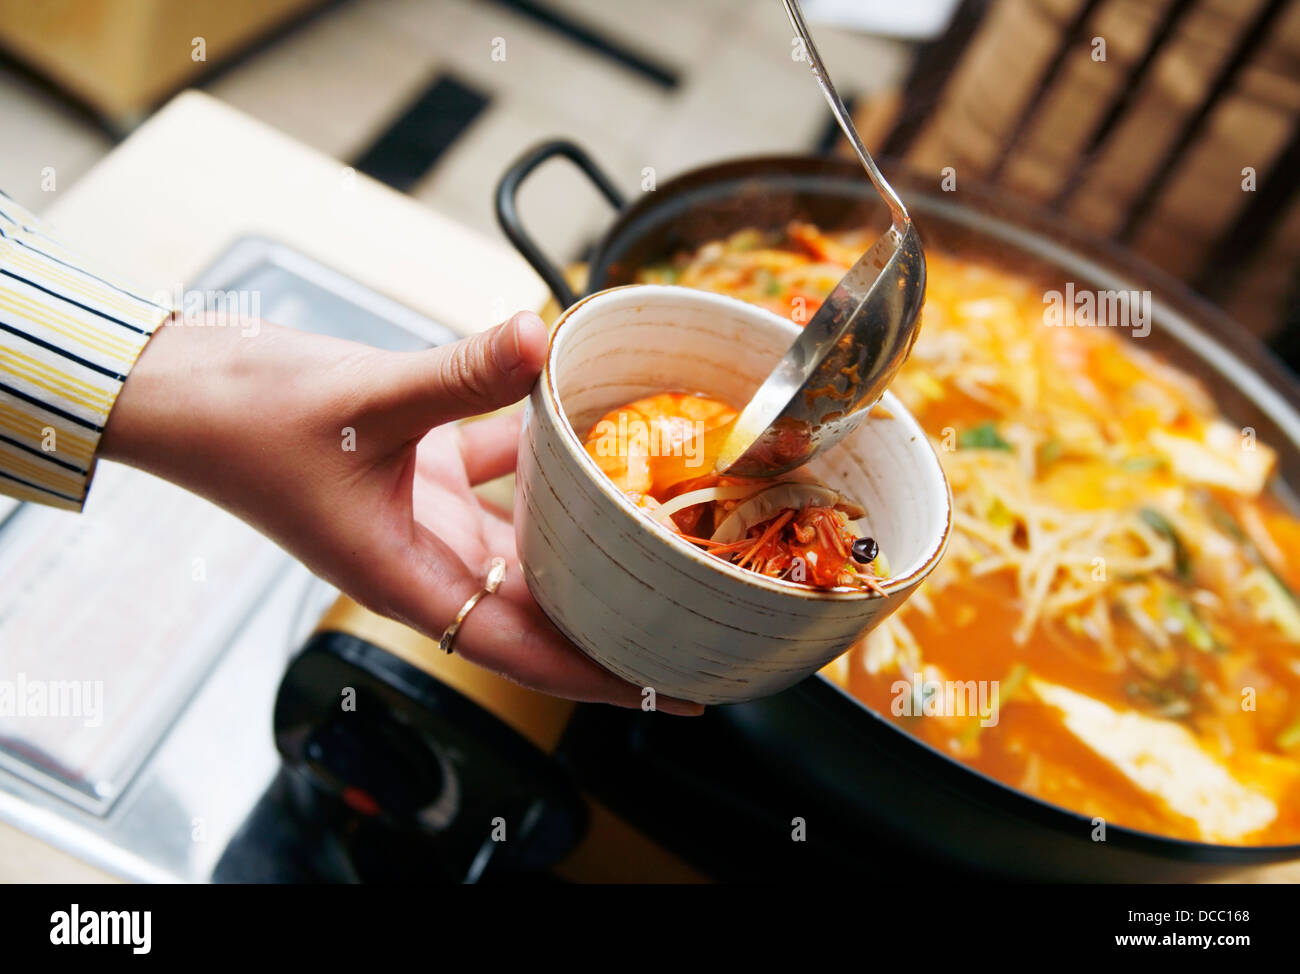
(505, 346)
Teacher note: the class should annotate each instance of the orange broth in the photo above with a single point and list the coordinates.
(1118, 564)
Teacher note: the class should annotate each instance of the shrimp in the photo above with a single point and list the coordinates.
(662, 452)
(651, 445)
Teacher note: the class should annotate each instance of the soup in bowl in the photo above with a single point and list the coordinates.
(631, 590)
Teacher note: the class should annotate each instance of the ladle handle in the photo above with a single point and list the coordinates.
(842, 115)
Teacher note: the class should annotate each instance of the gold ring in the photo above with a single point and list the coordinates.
(496, 573)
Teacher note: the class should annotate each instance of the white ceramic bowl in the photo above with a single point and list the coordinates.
(636, 598)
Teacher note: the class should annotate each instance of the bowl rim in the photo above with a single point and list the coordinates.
(894, 587)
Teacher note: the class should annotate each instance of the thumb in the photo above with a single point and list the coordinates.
(481, 373)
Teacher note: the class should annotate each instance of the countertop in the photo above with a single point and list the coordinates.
(199, 174)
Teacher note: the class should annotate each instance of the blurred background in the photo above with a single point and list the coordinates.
(1166, 125)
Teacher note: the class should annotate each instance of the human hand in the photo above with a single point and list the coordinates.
(351, 458)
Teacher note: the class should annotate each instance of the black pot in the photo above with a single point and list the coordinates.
(815, 735)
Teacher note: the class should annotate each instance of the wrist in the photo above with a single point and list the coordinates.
(160, 412)
(239, 414)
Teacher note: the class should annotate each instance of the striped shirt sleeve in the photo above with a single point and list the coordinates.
(69, 334)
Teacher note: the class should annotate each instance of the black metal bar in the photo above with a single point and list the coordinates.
(1133, 83)
(1069, 37)
(934, 64)
(594, 41)
(1250, 41)
(409, 148)
(1285, 341)
(1227, 259)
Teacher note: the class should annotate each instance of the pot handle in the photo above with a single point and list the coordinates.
(508, 209)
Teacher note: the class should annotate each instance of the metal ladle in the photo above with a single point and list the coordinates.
(853, 346)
